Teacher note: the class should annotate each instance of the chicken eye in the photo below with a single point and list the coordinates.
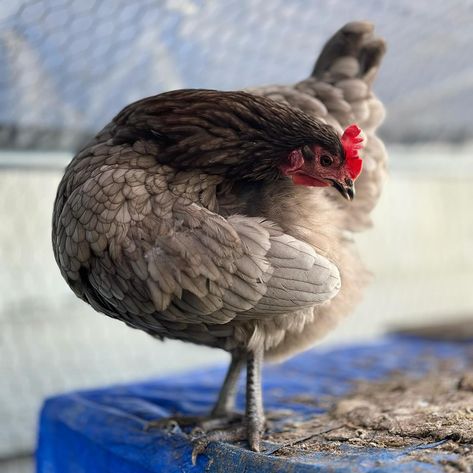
(326, 160)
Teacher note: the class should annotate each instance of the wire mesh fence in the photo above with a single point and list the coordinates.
(69, 65)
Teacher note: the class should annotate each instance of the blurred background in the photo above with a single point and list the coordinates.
(68, 66)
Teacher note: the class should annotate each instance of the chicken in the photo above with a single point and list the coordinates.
(213, 217)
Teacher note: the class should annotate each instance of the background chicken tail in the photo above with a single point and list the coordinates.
(351, 52)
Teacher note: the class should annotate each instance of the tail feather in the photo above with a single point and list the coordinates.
(353, 51)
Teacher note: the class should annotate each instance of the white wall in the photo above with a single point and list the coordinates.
(421, 247)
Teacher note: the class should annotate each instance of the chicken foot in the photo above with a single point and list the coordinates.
(223, 423)
(223, 413)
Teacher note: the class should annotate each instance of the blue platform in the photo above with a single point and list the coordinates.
(103, 430)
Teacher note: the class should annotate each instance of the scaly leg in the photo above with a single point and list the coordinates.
(226, 398)
(255, 419)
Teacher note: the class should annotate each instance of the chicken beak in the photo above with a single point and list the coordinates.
(348, 190)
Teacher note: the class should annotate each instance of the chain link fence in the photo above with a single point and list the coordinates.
(69, 65)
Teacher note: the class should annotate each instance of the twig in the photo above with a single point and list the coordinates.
(303, 439)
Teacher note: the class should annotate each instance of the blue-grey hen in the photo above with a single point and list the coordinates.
(214, 218)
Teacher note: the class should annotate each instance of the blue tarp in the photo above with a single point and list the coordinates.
(103, 430)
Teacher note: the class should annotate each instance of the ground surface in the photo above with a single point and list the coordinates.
(400, 411)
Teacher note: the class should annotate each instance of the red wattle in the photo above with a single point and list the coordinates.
(305, 180)
(355, 167)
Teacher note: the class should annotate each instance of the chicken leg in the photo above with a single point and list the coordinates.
(226, 397)
(254, 420)
(223, 413)
(223, 424)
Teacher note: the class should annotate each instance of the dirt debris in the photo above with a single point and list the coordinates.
(396, 413)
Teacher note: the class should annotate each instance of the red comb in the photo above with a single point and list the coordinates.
(351, 142)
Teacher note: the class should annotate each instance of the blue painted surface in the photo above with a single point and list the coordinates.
(103, 430)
